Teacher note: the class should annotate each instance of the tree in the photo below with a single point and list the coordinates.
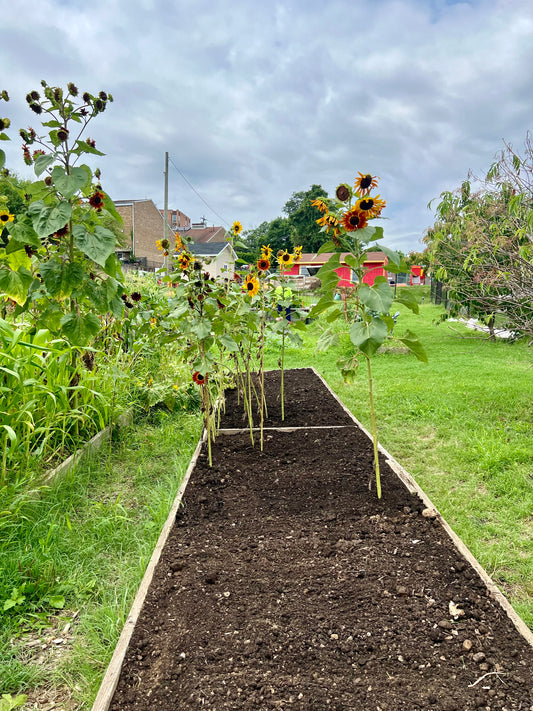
(302, 216)
(482, 244)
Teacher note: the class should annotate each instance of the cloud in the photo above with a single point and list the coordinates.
(254, 101)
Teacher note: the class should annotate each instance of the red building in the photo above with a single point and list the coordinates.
(309, 264)
(418, 275)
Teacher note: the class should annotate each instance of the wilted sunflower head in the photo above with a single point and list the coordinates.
(343, 192)
(365, 183)
(320, 205)
(297, 253)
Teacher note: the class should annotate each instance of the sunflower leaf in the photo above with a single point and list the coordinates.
(368, 337)
(410, 340)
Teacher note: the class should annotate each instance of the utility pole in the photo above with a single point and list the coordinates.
(165, 227)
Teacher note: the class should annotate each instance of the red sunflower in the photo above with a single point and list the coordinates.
(354, 220)
(365, 183)
(199, 378)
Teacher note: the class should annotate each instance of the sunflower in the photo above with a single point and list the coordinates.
(354, 220)
(263, 264)
(320, 205)
(97, 200)
(365, 183)
(184, 260)
(198, 378)
(163, 245)
(179, 243)
(236, 228)
(5, 216)
(266, 251)
(251, 285)
(329, 222)
(297, 253)
(371, 206)
(285, 259)
(342, 193)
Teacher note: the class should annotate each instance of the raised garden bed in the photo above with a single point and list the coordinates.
(284, 582)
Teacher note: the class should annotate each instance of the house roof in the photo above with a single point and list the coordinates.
(209, 249)
(203, 235)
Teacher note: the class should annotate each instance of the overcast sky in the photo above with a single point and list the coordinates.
(257, 99)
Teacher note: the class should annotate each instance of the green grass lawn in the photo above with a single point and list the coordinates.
(462, 425)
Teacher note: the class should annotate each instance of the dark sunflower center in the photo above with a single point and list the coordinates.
(367, 204)
(4, 217)
(366, 182)
(286, 257)
(353, 220)
(250, 286)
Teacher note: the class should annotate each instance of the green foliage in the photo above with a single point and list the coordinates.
(301, 218)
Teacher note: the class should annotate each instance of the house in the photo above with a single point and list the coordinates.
(309, 264)
(177, 219)
(218, 257)
(143, 225)
(200, 233)
(418, 275)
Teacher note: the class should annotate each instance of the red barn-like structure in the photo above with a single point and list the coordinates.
(418, 275)
(374, 266)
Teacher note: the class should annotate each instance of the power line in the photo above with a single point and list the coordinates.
(198, 194)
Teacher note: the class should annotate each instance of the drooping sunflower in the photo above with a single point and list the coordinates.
(365, 183)
(179, 243)
(236, 228)
(97, 200)
(198, 378)
(5, 216)
(266, 251)
(285, 259)
(320, 205)
(163, 245)
(371, 206)
(297, 253)
(263, 264)
(184, 260)
(251, 285)
(329, 222)
(354, 220)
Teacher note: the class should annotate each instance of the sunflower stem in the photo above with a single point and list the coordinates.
(374, 428)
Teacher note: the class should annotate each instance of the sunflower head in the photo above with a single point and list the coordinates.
(297, 253)
(263, 264)
(266, 251)
(184, 261)
(285, 259)
(343, 192)
(236, 228)
(251, 285)
(320, 205)
(179, 243)
(371, 206)
(365, 183)
(354, 220)
(199, 378)
(97, 200)
(5, 216)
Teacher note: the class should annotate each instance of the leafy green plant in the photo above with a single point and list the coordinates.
(347, 217)
(8, 702)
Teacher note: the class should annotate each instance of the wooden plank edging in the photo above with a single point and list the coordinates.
(413, 487)
(111, 677)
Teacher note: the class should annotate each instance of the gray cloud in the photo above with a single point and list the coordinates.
(254, 101)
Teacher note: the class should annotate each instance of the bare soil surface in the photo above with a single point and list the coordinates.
(286, 583)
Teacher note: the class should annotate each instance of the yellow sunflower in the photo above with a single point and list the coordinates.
(266, 251)
(371, 206)
(320, 205)
(329, 222)
(285, 259)
(251, 285)
(365, 183)
(5, 217)
(184, 260)
(236, 228)
(297, 253)
(354, 220)
(179, 243)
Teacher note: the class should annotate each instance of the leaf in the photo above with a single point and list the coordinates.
(325, 303)
(2, 158)
(61, 279)
(42, 162)
(8, 702)
(17, 258)
(68, 184)
(393, 256)
(328, 246)
(79, 329)
(57, 601)
(369, 234)
(352, 262)
(23, 232)
(410, 340)
(47, 220)
(326, 340)
(368, 337)
(84, 147)
(407, 298)
(377, 298)
(228, 343)
(97, 245)
(15, 285)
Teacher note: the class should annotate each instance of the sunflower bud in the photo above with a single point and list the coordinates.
(48, 181)
(36, 108)
(5, 95)
(62, 134)
(73, 89)
(86, 97)
(103, 95)
(4, 123)
(58, 93)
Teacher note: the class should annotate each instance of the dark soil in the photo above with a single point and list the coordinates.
(285, 583)
(307, 403)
